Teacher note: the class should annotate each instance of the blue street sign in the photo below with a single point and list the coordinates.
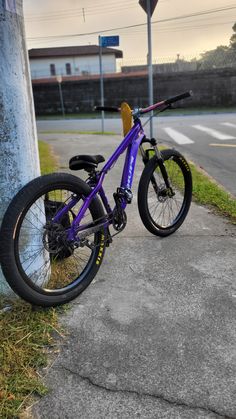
(109, 41)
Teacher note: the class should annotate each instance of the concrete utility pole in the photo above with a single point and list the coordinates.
(18, 139)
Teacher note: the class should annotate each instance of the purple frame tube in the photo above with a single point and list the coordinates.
(132, 142)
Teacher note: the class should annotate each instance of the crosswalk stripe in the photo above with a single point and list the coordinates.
(228, 124)
(177, 136)
(214, 133)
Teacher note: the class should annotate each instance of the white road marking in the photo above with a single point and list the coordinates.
(214, 133)
(177, 136)
(228, 124)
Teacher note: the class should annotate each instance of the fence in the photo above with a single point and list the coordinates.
(224, 58)
(219, 58)
(162, 65)
(211, 88)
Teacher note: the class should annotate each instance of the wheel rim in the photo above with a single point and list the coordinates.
(165, 206)
(46, 260)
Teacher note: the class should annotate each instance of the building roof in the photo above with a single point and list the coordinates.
(72, 51)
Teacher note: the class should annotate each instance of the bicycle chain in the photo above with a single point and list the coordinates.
(109, 235)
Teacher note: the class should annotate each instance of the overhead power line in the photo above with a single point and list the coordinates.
(93, 7)
(187, 16)
(90, 10)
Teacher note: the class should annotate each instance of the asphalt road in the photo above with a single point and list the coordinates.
(208, 140)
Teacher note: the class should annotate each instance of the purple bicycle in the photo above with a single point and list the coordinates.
(56, 229)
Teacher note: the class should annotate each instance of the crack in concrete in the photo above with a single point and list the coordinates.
(159, 397)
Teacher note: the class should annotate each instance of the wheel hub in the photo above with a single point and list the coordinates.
(55, 241)
(164, 193)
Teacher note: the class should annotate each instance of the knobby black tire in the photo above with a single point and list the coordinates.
(145, 181)
(8, 246)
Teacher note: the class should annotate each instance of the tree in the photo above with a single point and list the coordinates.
(216, 57)
(221, 56)
(233, 38)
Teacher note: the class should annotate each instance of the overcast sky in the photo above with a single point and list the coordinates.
(48, 23)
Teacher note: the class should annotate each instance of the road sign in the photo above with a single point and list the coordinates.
(109, 41)
(149, 7)
(144, 5)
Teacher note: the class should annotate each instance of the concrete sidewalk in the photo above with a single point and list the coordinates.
(154, 335)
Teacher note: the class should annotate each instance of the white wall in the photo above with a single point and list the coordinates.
(40, 67)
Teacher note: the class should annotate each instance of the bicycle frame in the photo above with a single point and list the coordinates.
(131, 142)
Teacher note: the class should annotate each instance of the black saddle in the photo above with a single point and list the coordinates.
(85, 162)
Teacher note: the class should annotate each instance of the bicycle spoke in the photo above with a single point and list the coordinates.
(44, 255)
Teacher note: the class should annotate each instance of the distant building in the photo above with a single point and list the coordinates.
(71, 61)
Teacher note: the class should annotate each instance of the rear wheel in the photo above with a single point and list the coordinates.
(38, 260)
(164, 209)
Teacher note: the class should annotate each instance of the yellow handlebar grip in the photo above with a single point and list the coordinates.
(126, 115)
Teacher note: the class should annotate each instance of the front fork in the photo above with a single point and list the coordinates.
(160, 160)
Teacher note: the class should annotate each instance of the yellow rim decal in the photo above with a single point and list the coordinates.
(101, 249)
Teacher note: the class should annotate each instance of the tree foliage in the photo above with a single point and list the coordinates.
(233, 38)
(220, 56)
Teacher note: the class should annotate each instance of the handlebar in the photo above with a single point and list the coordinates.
(166, 102)
(179, 97)
(141, 111)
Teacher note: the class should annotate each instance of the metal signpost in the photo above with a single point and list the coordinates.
(149, 7)
(59, 80)
(105, 41)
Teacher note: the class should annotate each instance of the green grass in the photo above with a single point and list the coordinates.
(48, 161)
(26, 337)
(198, 111)
(84, 115)
(207, 192)
(172, 112)
(78, 132)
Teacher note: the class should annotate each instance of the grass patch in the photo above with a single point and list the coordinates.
(198, 111)
(48, 161)
(84, 115)
(172, 112)
(207, 192)
(79, 132)
(26, 336)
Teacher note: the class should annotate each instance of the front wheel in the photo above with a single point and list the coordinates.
(163, 209)
(39, 262)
